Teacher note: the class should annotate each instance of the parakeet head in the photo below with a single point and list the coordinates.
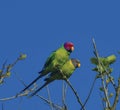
(75, 62)
(69, 46)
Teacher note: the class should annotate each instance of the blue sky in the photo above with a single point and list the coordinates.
(39, 27)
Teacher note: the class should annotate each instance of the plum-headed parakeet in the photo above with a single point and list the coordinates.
(64, 73)
(55, 61)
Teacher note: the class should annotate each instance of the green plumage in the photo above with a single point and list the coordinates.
(103, 64)
(64, 73)
(55, 61)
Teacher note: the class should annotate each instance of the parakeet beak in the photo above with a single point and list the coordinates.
(78, 65)
(72, 48)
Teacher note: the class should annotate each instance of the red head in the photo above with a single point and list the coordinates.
(69, 46)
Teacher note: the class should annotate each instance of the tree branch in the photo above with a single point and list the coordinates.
(78, 99)
(64, 89)
(99, 63)
(49, 97)
(89, 93)
(116, 96)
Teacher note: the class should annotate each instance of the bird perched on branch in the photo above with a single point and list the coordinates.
(55, 61)
(63, 74)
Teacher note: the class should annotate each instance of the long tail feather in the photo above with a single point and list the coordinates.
(31, 83)
(45, 84)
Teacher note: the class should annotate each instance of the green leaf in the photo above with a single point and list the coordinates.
(22, 56)
(8, 74)
(98, 76)
(94, 61)
(108, 80)
(95, 69)
(104, 99)
(101, 89)
(111, 95)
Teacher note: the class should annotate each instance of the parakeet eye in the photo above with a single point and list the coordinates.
(75, 62)
(69, 46)
(78, 65)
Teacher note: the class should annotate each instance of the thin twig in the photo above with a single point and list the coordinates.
(103, 84)
(15, 62)
(102, 101)
(108, 75)
(78, 99)
(3, 67)
(18, 78)
(113, 83)
(1, 72)
(105, 93)
(13, 97)
(49, 97)
(95, 50)
(116, 96)
(91, 89)
(64, 89)
(49, 102)
(63, 92)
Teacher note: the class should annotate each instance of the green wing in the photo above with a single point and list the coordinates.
(56, 60)
(49, 59)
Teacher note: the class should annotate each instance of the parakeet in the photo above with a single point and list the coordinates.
(105, 60)
(64, 73)
(103, 64)
(55, 61)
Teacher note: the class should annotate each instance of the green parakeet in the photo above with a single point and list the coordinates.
(55, 61)
(103, 64)
(105, 60)
(64, 73)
